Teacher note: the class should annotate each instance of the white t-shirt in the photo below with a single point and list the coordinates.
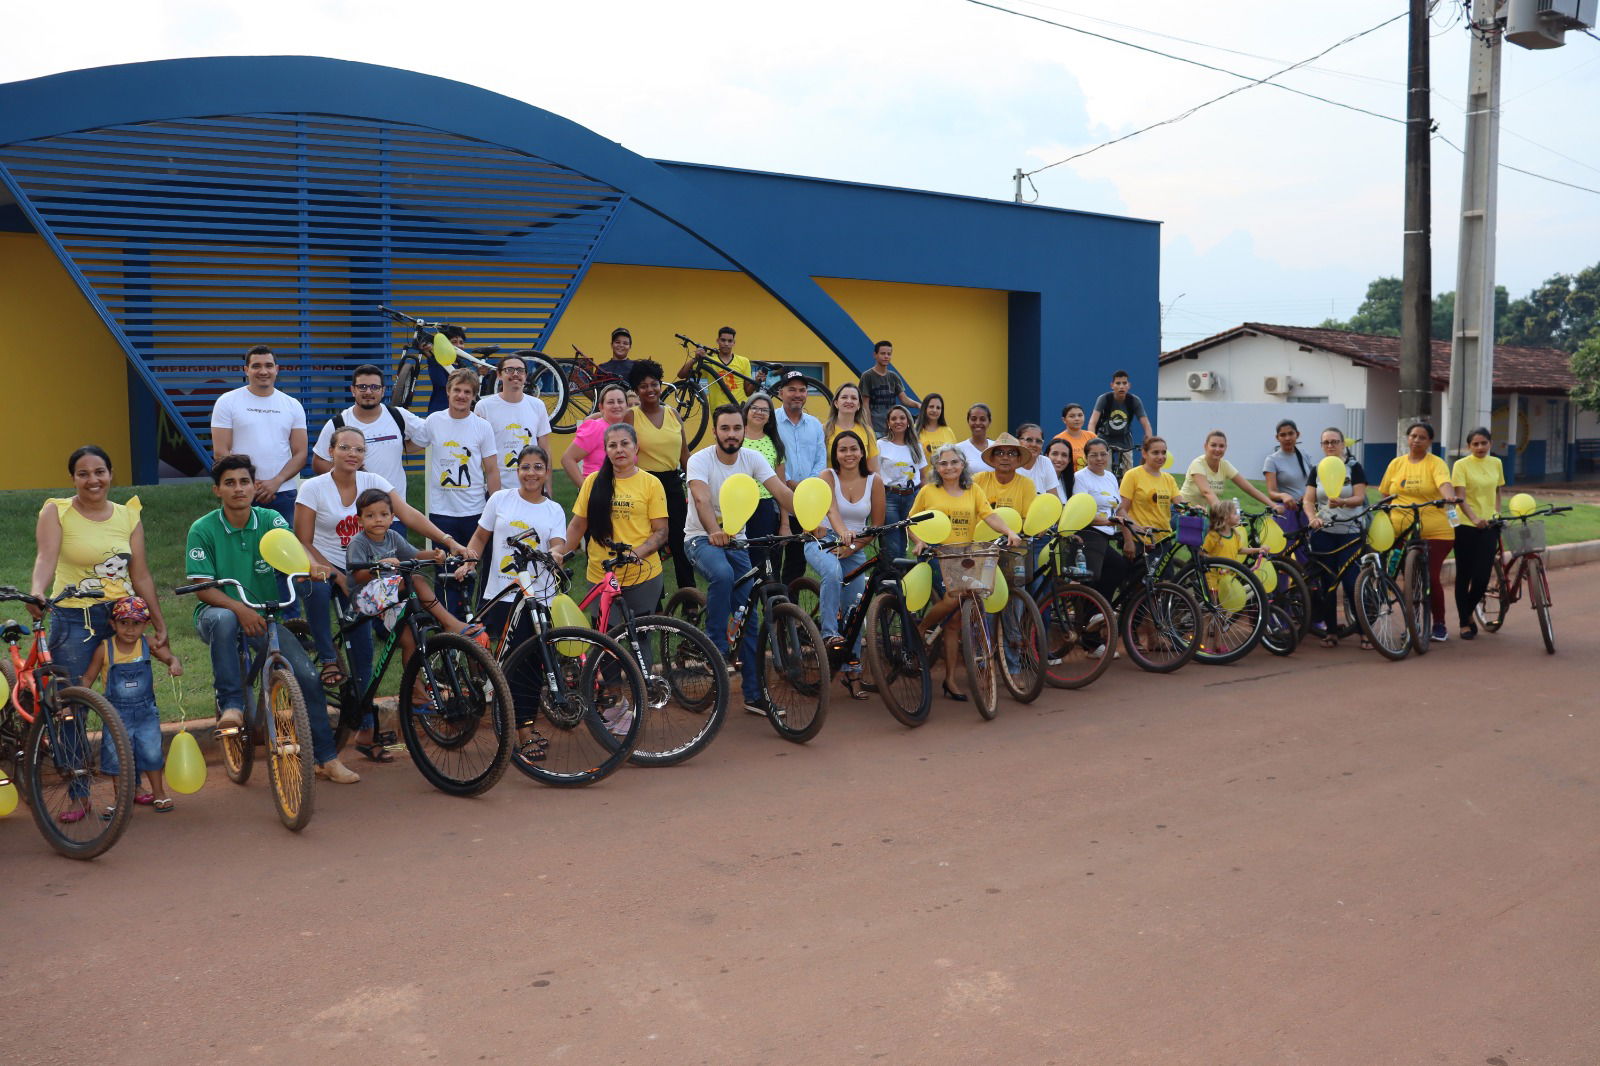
(1104, 488)
(974, 454)
(704, 467)
(900, 465)
(456, 449)
(261, 426)
(516, 425)
(1043, 473)
(507, 514)
(386, 443)
(337, 522)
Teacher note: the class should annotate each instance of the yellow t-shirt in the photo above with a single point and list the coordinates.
(869, 441)
(1412, 482)
(659, 449)
(965, 511)
(1149, 497)
(1478, 479)
(726, 386)
(634, 502)
(1230, 546)
(95, 555)
(1019, 494)
(934, 439)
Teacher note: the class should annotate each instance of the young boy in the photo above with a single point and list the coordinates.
(131, 688)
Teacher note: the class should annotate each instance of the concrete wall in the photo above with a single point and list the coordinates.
(1243, 365)
(1250, 428)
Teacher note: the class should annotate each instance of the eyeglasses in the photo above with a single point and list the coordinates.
(1001, 453)
(513, 372)
(359, 449)
(368, 388)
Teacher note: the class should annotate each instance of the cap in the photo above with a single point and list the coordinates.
(130, 609)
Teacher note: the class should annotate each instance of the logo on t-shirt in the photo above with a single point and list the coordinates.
(461, 456)
(346, 529)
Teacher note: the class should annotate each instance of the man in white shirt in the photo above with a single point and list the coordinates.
(267, 425)
(710, 548)
(1040, 469)
(388, 430)
(463, 469)
(517, 419)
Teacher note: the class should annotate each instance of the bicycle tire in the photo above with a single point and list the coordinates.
(794, 673)
(290, 761)
(1070, 644)
(688, 604)
(1539, 593)
(1383, 614)
(1229, 634)
(686, 690)
(1172, 619)
(571, 746)
(545, 383)
(345, 697)
(405, 382)
(806, 593)
(897, 659)
(1281, 636)
(689, 404)
(61, 756)
(579, 405)
(238, 754)
(1414, 569)
(462, 743)
(1490, 612)
(1294, 592)
(1027, 682)
(977, 655)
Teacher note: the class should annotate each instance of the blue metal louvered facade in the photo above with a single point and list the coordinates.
(203, 236)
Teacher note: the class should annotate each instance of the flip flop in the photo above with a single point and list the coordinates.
(145, 799)
(475, 632)
(163, 805)
(374, 753)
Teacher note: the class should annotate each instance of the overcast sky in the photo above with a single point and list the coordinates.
(1275, 207)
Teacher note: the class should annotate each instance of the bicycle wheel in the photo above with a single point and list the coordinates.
(587, 728)
(689, 404)
(686, 690)
(1490, 613)
(978, 655)
(461, 739)
(80, 808)
(545, 383)
(239, 748)
(344, 697)
(806, 593)
(405, 382)
(1382, 614)
(290, 761)
(1281, 635)
(1233, 608)
(1539, 592)
(578, 407)
(1161, 627)
(1294, 594)
(897, 660)
(794, 672)
(1021, 634)
(1414, 580)
(689, 605)
(1080, 635)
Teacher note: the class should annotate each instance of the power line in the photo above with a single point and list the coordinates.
(1519, 170)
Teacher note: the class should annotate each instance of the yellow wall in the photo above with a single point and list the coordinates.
(67, 378)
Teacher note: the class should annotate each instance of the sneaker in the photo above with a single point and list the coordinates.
(619, 718)
(1098, 652)
(337, 772)
(760, 705)
(1441, 633)
(1095, 622)
(230, 721)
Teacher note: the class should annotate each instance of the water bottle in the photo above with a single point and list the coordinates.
(1450, 513)
(1080, 565)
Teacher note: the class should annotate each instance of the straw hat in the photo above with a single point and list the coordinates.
(1005, 440)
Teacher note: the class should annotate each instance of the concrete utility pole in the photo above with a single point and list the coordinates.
(1416, 303)
(1472, 332)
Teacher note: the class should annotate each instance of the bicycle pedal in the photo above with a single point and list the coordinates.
(224, 732)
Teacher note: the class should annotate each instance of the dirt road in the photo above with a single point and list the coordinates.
(1323, 859)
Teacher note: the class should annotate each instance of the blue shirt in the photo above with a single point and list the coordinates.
(805, 451)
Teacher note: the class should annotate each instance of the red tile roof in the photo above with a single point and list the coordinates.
(1531, 370)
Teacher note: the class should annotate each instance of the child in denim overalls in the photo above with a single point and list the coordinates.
(131, 688)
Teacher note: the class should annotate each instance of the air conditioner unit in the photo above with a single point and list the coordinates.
(1543, 23)
(1203, 381)
(1278, 385)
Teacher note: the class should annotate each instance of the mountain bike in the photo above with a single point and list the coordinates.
(1524, 536)
(1408, 563)
(545, 381)
(56, 740)
(459, 736)
(791, 659)
(1080, 627)
(1289, 600)
(1379, 610)
(276, 719)
(1233, 605)
(1160, 621)
(581, 380)
(691, 398)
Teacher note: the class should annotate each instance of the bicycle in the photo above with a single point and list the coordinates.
(691, 398)
(1233, 605)
(1080, 626)
(545, 381)
(1524, 567)
(1408, 560)
(1121, 460)
(968, 571)
(792, 661)
(56, 737)
(1161, 614)
(285, 733)
(1378, 609)
(459, 739)
(582, 379)
(1289, 600)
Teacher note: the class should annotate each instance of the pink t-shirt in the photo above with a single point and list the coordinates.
(591, 437)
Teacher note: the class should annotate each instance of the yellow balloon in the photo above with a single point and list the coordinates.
(1272, 537)
(1523, 504)
(1010, 517)
(5, 690)
(8, 798)
(1229, 592)
(186, 767)
(1330, 475)
(1078, 512)
(917, 586)
(1166, 464)
(1267, 574)
(738, 498)
(444, 353)
(935, 529)
(1381, 533)
(1043, 513)
(812, 498)
(564, 612)
(287, 555)
(996, 600)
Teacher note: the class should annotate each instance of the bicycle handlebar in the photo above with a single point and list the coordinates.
(218, 582)
(11, 592)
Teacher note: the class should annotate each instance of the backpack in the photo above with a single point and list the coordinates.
(394, 413)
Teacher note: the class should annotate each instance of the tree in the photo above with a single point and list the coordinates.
(1586, 368)
(1444, 312)
(1561, 313)
(1379, 313)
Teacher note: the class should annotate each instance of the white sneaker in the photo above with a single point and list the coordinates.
(1095, 622)
(1098, 652)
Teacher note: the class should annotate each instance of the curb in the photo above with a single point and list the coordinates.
(1557, 558)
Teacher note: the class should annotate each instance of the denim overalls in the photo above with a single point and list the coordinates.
(131, 688)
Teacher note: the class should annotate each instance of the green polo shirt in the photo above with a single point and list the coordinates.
(216, 549)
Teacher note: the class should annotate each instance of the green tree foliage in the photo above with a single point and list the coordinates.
(1562, 313)
(1379, 313)
(1586, 368)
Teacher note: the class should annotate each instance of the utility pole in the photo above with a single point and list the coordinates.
(1416, 306)
(1472, 332)
(1017, 180)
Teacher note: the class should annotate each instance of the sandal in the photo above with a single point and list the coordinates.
(331, 676)
(1366, 645)
(374, 752)
(475, 632)
(77, 814)
(163, 805)
(852, 685)
(145, 799)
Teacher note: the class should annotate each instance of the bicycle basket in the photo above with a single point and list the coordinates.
(1520, 537)
(1192, 530)
(968, 567)
(1018, 565)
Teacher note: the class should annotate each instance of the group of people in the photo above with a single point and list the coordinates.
(884, 452)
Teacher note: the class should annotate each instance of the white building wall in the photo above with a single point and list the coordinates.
(1243, 364)
(1251, 429)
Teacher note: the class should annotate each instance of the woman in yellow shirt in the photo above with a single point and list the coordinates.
(1419, 476)
(933, 432)
(952, 492)
(1148, 490)
(1481, 477)
(619, 502)
(664, 452)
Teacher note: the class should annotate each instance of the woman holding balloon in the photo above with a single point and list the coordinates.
(1333, 502)
(1418, 476)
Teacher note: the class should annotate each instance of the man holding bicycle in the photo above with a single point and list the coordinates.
(1113, 415)
(721, 385)
(227, 544)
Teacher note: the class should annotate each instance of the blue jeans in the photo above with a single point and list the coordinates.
(457, 595)
(837, 597)
(219, 629)
(321, 597)
(721, 567)
(74, 634)
(896, 508)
